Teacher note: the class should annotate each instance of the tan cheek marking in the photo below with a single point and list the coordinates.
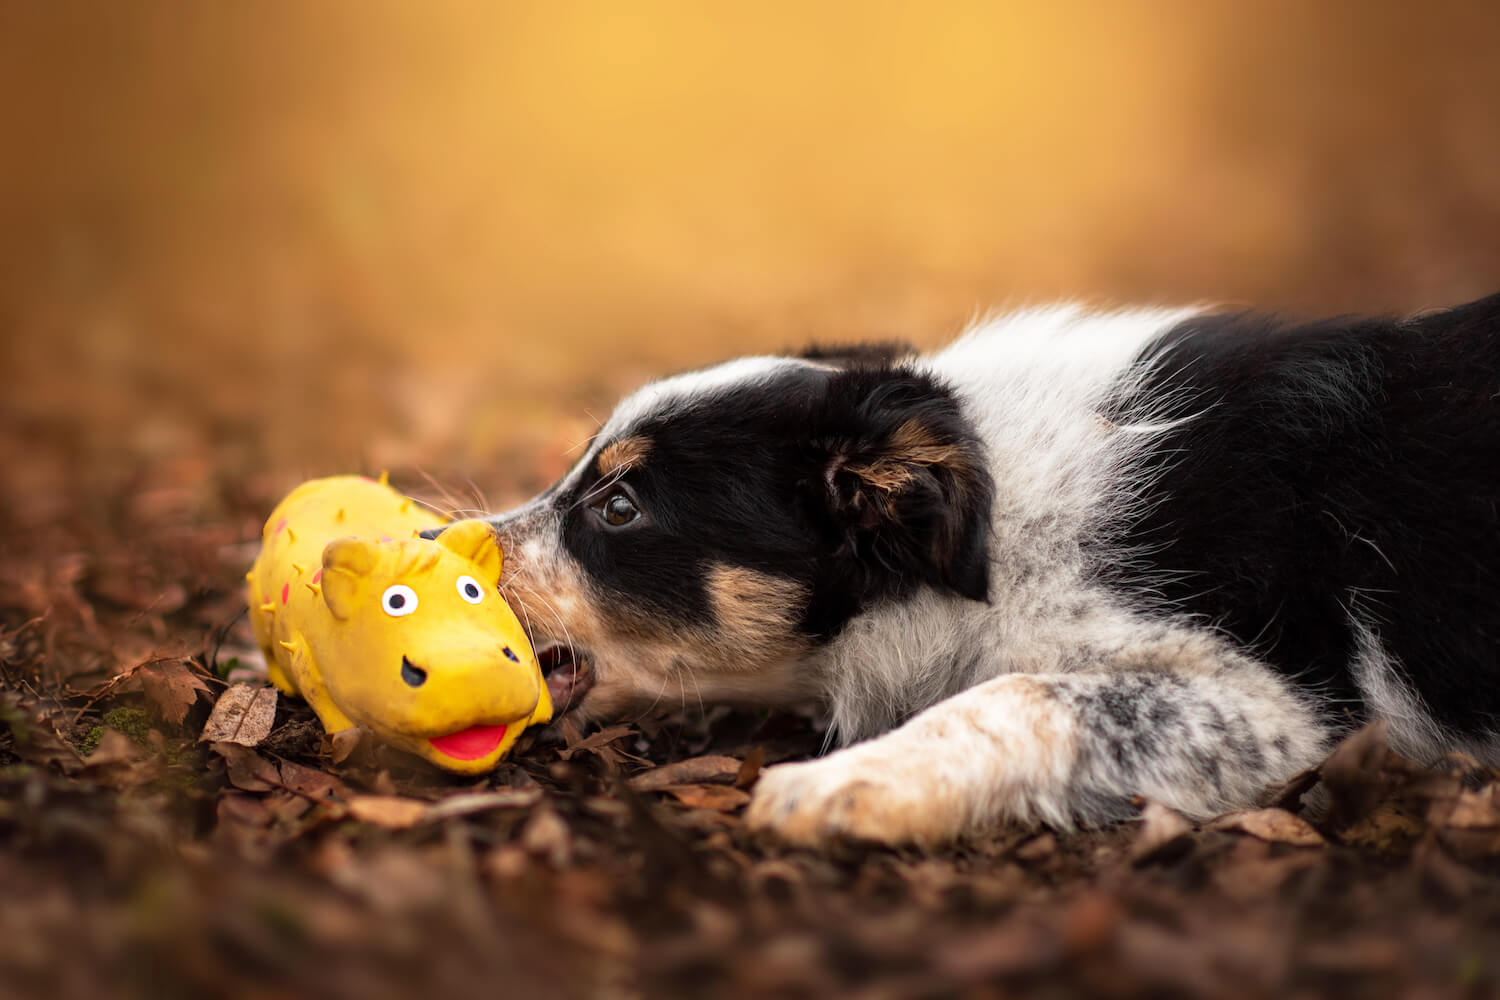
(756, 615)
(545, 588)
(623, 454)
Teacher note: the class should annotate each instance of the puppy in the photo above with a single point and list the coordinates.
(1070, 559)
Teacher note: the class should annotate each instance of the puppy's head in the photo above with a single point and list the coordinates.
(725, 524)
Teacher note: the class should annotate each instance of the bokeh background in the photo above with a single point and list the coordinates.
(245, 242)
(274, 239)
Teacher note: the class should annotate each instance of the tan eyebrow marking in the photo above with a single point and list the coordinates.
(623, 454)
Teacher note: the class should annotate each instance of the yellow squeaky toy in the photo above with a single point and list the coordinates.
(379, 628)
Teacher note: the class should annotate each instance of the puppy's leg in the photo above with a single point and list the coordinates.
(1052, 748)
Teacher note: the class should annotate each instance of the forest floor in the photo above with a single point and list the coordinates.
(138, 859)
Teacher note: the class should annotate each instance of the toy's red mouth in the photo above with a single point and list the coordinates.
(469, 744)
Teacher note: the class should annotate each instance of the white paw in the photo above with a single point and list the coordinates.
(849, 797)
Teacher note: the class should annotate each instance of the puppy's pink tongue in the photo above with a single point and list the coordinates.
(470, 744)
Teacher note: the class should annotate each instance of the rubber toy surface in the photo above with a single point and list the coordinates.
(409, 638)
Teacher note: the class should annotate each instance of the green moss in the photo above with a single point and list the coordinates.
(90, 741)
(15, 721)
(133, 722)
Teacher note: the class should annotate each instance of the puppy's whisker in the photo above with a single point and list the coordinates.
(447, 496)
(646, 712)
(683, 672)
(567, 638)
(600, 487)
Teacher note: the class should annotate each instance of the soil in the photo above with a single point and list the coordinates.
(141, 859)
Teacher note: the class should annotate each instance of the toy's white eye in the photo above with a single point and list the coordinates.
(398, 600)
(470, 590)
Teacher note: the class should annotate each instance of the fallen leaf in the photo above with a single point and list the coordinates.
(1164, 835)
(243, 714)
(750, 768)
(312, 783)
(1041, 846)
(1247, 880)
(1276, 825)
(392, 812)
(599, 743)
(342, 744)
(1361, 771)
(1476, 810)
(1388, 826)
(722, 798)
(1090, 920)
(114, 748)
(693, 771)
(1288, 794)
(546, 836)
(476, 802)
(246, 769)
(171, 685)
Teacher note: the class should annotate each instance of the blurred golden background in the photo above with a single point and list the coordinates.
(276, 239)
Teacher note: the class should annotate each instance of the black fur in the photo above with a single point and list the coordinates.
(1346, 466)
(767, 477)
(869, 354)
(933, 528)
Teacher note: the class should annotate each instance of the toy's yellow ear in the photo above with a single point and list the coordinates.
(345, 562)
(476, 542)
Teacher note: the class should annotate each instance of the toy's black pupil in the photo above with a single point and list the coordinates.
(397, 601)
(471, 590)
(511, 655)
(619, 510)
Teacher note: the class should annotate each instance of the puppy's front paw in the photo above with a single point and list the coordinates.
(843, 797)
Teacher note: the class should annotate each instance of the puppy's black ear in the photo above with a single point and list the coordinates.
(904, 484)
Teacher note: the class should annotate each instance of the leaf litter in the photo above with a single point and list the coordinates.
(165, 833)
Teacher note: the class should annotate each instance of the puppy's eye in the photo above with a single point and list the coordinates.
(618, 510)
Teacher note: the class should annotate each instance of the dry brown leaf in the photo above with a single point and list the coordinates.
(1362, 771)
(1275, 825)
(750, 768)
(114, 748)
(34, 733)
(1477, 810)
(1043, 845)
(390, 811)
(171, 685)
(1163, 834)
(1386, 827)
(546, 836)
(246, 769)
(693, 771)
(722, 798)
(243, 714)
(476, 802)
(312, 783)
(599, 743)
(340, 745)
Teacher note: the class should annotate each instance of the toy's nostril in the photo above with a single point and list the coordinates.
(510, 654)
(412, 674)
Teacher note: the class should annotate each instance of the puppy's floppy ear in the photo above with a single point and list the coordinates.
(904, 482)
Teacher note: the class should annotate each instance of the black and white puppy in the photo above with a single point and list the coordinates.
(1071, 559)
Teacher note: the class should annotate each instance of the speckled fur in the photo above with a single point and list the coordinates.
(1056, 696)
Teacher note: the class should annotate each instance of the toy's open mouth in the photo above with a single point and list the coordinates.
(568, 672)
(469, 744)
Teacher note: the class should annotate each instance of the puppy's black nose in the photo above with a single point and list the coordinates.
(434, 532)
